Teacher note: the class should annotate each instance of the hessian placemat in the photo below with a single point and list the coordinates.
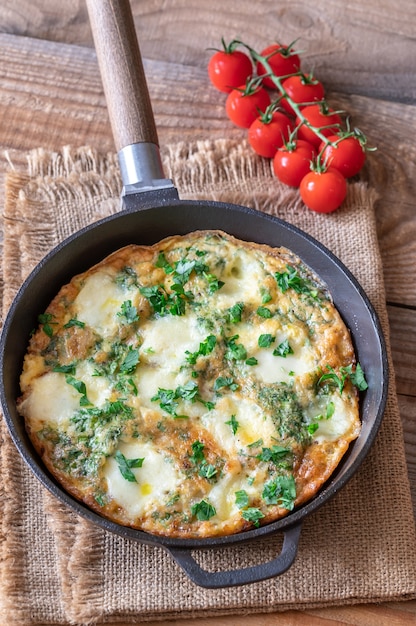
(57, 568)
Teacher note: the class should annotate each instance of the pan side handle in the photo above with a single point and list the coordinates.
(232, 578)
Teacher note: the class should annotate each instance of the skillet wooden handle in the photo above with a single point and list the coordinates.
(122, 72)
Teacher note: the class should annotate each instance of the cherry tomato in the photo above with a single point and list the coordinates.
(347, 154)
(323, 192)
(319, 117)
(292, 163)
(302, 89)
(269, 132)
(244, 104)
(282, 60)
(229, 68)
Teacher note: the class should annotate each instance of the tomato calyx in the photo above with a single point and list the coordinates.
(253, 84)
(308, 79)
(284, 51)
(319, 165)
(228, 48)
(266, 117)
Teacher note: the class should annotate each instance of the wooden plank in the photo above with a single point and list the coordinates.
(366, 48)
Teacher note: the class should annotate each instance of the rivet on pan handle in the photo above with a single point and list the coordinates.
(127, 95)
(247, 575)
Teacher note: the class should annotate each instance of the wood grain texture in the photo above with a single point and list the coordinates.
(51, 95)
(122, 73)
(364, 48)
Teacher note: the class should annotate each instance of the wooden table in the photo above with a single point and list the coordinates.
(364, 52)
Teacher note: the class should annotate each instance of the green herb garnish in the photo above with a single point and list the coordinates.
(291, 280)
(263, 311)
(274, 454)
(241, 498)
(265, 340)
(252, 515)
(205, 347)
(74, 322)
(283, 349)
(235, 312)
(203, 510)
(223, 381)
(126, 465)
(233, 423)
(79, 385)
(235, 351)
(280, 490)
(129, 312)
(46, 320)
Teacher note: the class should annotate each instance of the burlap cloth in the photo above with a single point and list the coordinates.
(57, 568)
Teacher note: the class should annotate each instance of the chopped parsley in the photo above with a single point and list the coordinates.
(280, 490)
(233, 423)
(223, 381)
(338, 380)
(80, 386)
(235, 351)
(130, 362)
(203, 510)
(125, 466)
(283, 349)
(70, 368)
(265, 340)
(263, 311)
(274, 454)
(234, 313)
(128, 312)
(265, 295)
(45, 319)
(252, 515)
(214, 284)
(241, 499)
(164, 303)
(74, 322)
(292, 280)
(205, 347)
(207, 470)
(197, 451)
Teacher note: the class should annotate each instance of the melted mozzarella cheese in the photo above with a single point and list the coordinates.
(98, 389)
(155, 480)
(52, 401)
(98, 303)
(252, 424)
(168, 339)
(276, 369)
(242, 278)
(336, 426)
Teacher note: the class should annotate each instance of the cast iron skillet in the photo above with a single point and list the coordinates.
(152, 210)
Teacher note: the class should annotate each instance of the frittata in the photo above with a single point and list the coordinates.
(198, 387)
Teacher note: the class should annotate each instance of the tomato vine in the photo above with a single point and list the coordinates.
(289, 120)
